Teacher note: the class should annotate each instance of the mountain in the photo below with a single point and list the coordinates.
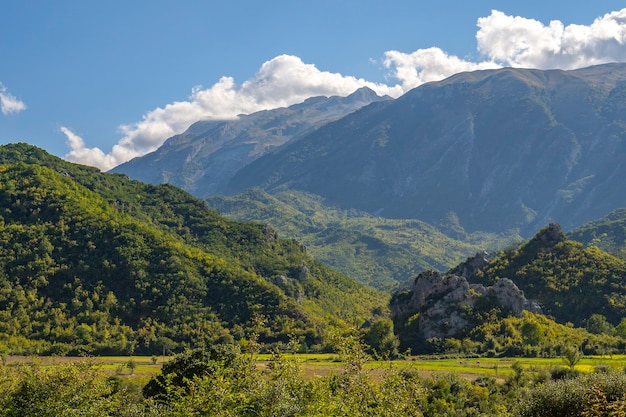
(499, 149)
(379, 252)
(204, 158)
(94, 262)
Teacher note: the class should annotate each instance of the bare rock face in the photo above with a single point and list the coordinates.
(510, 296)
(444, 297)
(445, 302)
(471, 266)
(550, 235)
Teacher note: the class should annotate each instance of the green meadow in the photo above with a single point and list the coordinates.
(324, 364)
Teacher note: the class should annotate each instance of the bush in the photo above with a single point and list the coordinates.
(589, 395)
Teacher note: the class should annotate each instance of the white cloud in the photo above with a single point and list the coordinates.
(521, 42)
(502, 40)
(282, 81)
(8, 103)
(88, 156)
(425, 65)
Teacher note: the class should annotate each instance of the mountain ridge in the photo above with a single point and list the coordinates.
(202, 159)
(502, 149)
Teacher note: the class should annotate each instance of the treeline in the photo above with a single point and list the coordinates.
(222, 381)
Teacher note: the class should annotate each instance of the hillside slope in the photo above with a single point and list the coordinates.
(539, 298)
(382, 253)
(96, 262)
(569, 281)
(607, 233)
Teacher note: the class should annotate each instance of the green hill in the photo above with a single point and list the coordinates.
(607, 233)
(571, 282)
(380, 252)
(536, 299)
(96, 262)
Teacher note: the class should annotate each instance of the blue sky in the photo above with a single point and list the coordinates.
(102, 82)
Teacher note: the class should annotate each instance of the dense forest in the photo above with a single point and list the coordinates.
(94, 262)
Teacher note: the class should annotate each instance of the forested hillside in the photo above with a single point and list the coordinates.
(571, 282)
(95, 262)
(382, 253)
(607, 233)
(539, 298)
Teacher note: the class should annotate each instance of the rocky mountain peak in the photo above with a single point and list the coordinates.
(549, 236)
(204, 158)
(471, 266)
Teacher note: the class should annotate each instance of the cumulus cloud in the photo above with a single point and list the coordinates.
(502, 40)
(8, 102)
(281, 81)
(521, 42)
(81, 154)
(425, 65)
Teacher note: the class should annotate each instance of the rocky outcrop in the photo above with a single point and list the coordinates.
(471, 266)
(511, 297)
(446, 303)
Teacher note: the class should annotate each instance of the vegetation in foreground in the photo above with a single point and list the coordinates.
(222, 381)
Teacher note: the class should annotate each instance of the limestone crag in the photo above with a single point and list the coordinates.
(445, 303)
(471, 266)
(510, 296)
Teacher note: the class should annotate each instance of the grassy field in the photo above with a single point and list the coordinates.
(142, 368)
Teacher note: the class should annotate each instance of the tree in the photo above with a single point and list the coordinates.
(620, 329)
(381, 339)
(181, 371)
(571, 356)
(533, 333)
(598, 324)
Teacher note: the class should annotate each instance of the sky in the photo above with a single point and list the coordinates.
(102, 82)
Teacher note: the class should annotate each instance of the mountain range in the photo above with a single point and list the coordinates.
(483, 157)
(381, 189)
(96, 263)
(500, 149)
(203, 159)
